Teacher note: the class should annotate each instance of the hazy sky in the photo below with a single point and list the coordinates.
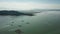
(29, 4)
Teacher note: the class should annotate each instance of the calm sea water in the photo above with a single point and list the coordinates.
(43, 23)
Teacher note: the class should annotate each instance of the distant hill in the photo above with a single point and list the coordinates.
(13, 13)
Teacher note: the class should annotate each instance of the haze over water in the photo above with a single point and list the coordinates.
(46, 22)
